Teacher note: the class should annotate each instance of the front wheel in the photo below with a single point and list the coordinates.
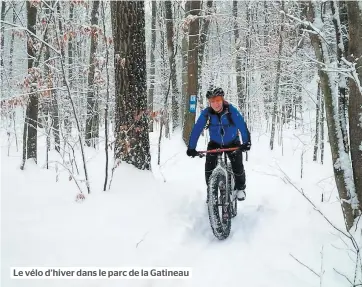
(219, 206)
(231, 187)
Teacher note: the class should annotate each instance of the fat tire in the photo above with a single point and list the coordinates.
(220, 226)
(231, 185)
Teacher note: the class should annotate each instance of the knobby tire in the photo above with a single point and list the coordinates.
(220, 223)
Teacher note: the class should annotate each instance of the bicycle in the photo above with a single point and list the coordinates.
(219, 190)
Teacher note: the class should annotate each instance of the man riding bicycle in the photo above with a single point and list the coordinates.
(224, 122)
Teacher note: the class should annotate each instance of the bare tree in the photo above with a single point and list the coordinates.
(342, 172)
(238, 61)
(192, 60)
(204, 35)
(151, 90)
(166, 76)
(131, 125)
(184, 53)
(11, 56)
(92, 122)
(277, 80)
(30, 135)
(54, 113)
(355, 94)
(2, 42)
(106, 131)
(322, 121)
(342, 83)
(172, 62)
(317, 122)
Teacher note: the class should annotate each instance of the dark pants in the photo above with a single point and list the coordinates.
(236, 160)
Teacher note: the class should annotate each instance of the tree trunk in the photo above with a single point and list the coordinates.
(48, 80)
(106, 103)
(249, 65)
(12, 44)
(322, 128)
(131, 125)
(203, 41)
(342, 82)
(31, 118)
(70, 45)
(54, 112)
(317, 122)
(245, 65)
(184, 66)
(277, 80)
(341, 168)
(66, 112)
(355, 94)
(166, 77)
(92, 122)
(192, 69)
(2, 43)
(151, 90)
(56, 123)
(172, 62)
(238, 57)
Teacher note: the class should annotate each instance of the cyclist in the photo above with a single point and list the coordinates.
(224, 121)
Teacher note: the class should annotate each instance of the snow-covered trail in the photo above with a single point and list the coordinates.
(160, 219)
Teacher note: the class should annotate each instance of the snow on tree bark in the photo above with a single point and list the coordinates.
(277, 80)
(239, 81)
(151, 90)
(2, 41)
(355, 94)
(341, 161)
(92, 122)
(204, 36)
(342, 81)
(317, 122)
(172, 62)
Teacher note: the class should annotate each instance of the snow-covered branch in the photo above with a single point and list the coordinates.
(32, 34)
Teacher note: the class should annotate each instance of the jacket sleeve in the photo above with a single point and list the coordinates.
(197, 129)
(240, 124)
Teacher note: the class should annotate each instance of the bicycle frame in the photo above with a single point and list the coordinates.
(222, 164)
(220, 221)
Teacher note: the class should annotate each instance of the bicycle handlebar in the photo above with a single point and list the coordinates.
(218, 150)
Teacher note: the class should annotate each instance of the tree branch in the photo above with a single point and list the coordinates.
(32, 34)
(310, 269)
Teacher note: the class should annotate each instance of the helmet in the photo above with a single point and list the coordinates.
(216, 92)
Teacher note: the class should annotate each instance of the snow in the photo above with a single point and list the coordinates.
(360, 6)
(160, 218)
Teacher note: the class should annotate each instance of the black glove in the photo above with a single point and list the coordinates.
(191, 152)
(245, 146)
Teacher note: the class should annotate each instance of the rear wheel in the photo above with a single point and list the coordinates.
(219, 207)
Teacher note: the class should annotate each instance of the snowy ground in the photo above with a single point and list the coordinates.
(160, 219)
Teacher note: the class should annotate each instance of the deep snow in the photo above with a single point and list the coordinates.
(160, 218)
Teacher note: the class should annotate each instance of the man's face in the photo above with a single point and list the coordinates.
(216, 103)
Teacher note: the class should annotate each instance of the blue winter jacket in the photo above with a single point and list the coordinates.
(221, 130)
